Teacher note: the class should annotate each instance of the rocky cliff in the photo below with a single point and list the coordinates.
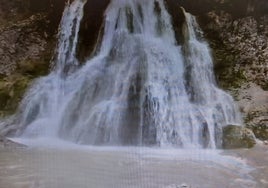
(237, 31)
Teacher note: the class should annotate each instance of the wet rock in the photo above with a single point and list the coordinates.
(6, 143)
(237, 137)
(8, 126)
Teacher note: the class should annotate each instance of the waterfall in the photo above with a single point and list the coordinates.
(68, 36)
(142, 88)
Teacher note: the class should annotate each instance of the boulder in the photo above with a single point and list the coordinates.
(235, 137)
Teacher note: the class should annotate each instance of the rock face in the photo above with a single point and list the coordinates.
(27, 42)
(239, 38)
(237, 137)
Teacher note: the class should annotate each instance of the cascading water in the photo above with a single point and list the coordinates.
(141, 88)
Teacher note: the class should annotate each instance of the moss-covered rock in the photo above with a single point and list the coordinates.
(4, 95)
(237, 137)
(33, 68)
(12, 89)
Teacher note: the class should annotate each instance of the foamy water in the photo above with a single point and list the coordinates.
(68, 165)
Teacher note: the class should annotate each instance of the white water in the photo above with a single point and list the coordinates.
(68, 36)
(142, 88)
